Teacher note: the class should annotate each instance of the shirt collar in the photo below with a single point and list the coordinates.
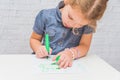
(58, 13)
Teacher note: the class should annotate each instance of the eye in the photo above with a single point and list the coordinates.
(70, 17)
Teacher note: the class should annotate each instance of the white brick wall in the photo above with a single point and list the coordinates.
(16, 21)
(17, 18)
(106, 40)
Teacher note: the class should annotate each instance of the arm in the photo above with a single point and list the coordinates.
(37, 47)
(67, 55)
(84, 46)
(35, 41)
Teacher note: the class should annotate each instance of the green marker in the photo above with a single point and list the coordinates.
(47, 44)
(57, 59)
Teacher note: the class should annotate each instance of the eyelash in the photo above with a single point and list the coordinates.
(70, 17)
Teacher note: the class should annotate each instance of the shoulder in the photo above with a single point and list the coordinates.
(88, 29)
(47, 12)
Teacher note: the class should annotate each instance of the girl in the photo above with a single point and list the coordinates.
(70, 27)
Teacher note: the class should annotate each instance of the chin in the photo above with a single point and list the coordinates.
(66, 26)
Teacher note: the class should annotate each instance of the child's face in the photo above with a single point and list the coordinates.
(72, 18)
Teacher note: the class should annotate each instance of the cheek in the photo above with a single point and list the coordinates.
(65, 21)
(72, 23)
(68, 23)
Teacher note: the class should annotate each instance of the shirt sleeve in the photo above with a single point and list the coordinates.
(88, 30)
(39, 23)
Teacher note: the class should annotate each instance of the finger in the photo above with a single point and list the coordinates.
(54, 58)
(50, 51)
(70, 64)
(38, 54)
(61, 65)
(41, 52)
(61, 59)
(44, 52)
(66, 65)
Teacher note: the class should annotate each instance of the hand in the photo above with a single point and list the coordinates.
(42, 52)
(65, 59)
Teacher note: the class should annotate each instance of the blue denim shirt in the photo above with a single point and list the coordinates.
(49, 21)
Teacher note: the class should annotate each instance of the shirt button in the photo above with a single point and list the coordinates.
(60, 43)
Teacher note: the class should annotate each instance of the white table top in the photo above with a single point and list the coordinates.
(28, 67)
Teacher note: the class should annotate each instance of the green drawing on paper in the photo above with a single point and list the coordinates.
(49, 67)
(54, 63)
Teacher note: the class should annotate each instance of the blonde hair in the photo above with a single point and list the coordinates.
(93, 9)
